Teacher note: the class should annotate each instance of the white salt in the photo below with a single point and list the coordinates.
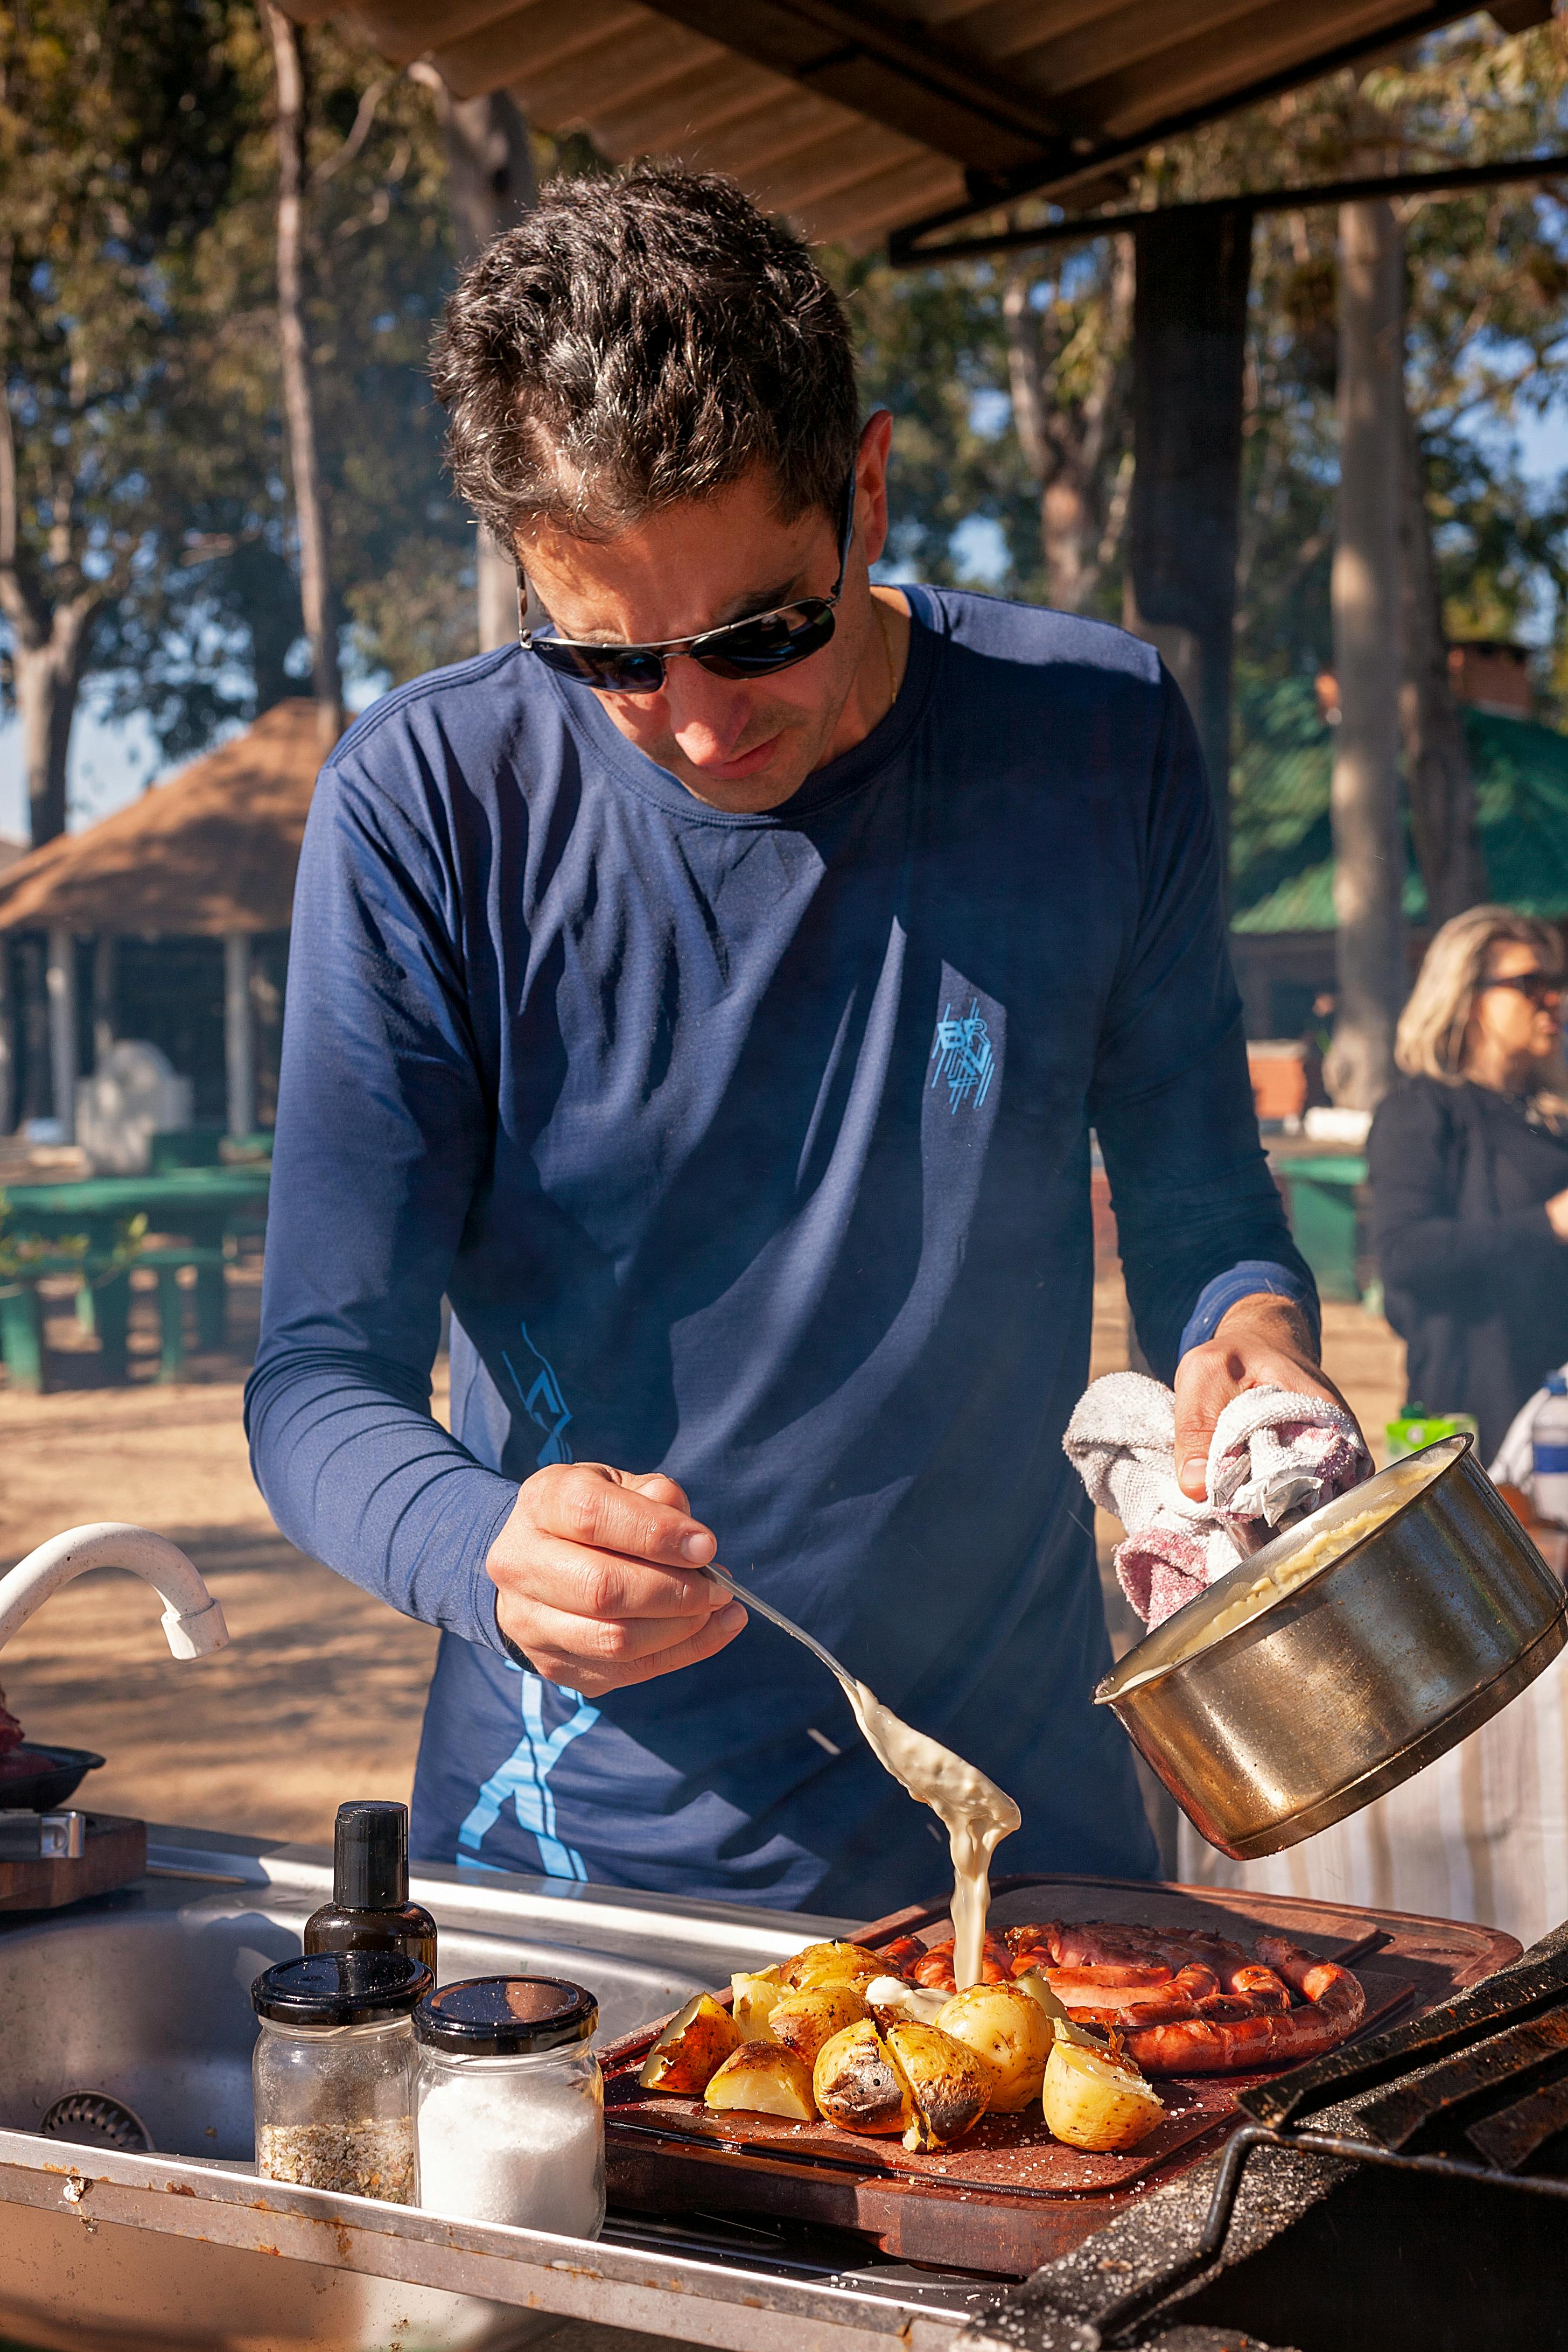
(503, 2147)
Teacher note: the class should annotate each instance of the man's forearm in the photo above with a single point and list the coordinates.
(1191, 1252)
(360, 1477)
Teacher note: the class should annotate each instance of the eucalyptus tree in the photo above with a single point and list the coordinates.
(117, 134)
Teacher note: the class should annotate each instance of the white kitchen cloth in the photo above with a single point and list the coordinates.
(1272, 1452)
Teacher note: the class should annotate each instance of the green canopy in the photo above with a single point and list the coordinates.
(1282, 867)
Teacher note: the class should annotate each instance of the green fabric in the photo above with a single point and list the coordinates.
(1282, 867)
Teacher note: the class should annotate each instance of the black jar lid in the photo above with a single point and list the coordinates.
(340, 1989)
(506, 2017)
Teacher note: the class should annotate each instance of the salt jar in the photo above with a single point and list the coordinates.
(333, 2073)
(511, 2105)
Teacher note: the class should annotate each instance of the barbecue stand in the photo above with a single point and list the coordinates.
(1448, 2108)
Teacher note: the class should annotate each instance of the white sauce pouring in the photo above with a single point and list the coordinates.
(973, 1810)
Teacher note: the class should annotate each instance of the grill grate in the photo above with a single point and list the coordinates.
(1488, 2069)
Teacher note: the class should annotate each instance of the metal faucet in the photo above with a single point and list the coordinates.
(191, 1621)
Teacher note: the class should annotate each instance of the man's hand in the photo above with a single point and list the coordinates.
(1261, 1342)
(598, 1577)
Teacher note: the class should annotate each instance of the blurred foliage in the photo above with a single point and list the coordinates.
(137, 196)
(137, 180)
(1488, 339)
(118, 130)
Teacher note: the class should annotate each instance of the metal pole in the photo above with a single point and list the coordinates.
(61, 985)
(1189, 337)
(7, 1063)
(102, 999)
(238, 1033)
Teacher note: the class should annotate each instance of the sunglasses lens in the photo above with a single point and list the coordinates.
(773, 642)
(606, 666)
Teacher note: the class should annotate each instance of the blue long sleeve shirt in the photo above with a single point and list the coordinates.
(756, 1148)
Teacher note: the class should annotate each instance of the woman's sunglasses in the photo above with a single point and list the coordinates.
(755, 647)
(1542, 988)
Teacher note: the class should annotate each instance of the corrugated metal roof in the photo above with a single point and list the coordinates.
(856, 117)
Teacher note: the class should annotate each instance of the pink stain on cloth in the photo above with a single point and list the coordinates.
(1272, 1452)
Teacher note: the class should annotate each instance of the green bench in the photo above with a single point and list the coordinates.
(167, 1264)
(103, 1309)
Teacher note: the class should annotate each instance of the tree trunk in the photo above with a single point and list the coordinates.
(298, 409)
(46, 673)
(1071, 448)
(1437, 756)
(490, 184)
(48, 641)
(1369, 851)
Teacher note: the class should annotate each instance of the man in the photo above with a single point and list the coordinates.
(713, 996)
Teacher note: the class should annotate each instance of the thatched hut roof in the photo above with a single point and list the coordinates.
(213, 850)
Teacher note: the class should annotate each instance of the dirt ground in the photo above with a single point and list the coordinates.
(318, 1696)
(320, 1693)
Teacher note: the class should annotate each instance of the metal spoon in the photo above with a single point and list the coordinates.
(932, 1774)
(787, 1625)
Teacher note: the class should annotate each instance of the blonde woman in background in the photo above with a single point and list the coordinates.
(1469, 1163)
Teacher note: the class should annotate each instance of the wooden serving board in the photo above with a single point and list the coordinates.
(1008, 2197)
(114, 1853)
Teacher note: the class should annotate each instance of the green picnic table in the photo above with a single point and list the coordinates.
(199, 1204)
(1322, 1190)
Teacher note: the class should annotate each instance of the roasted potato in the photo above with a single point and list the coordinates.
(1010, 2033)
(766, 2080)
(691, 2049)
(1087, 2037)
(1089, 2103)
(754, 1996)
(893, 2001)
(803, 2022)
(857, 2083)
(948, 2085)
(824, 1964)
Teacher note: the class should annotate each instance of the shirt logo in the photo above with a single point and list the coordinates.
(963, 1058)
(541, 1400)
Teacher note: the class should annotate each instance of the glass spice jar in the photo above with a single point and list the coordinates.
(333, 2073)
(511, 2105)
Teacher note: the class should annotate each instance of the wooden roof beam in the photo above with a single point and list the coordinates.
(539, 37)
(733, 110)
(988, 192)
(886, 69)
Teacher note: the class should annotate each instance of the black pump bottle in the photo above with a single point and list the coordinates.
(370, 1910)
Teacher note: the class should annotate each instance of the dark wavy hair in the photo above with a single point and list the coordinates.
(638, 340)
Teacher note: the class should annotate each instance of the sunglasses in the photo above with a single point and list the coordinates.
(758, 647)
(1542, 988)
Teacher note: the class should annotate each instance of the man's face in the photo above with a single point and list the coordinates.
(742, 745)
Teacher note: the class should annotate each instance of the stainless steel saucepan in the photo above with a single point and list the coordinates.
(1379, 1660)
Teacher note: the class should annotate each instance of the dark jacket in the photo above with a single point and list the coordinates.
(1475, 1280)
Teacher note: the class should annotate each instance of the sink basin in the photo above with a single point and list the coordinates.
(145, 1995)
(148, 1997)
